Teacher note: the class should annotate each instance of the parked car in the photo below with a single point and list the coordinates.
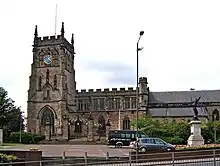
(152, 144)
(120, 138)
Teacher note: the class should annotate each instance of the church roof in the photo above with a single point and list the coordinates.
(181, 96)
(184, 96)
(177, 112)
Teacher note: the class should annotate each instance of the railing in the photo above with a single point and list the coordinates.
(186, 158)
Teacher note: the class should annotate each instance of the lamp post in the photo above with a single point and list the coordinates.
(20, 126)
(137, 89)
(214, 128)
(69, 123)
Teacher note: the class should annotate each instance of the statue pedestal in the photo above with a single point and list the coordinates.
(195, 139)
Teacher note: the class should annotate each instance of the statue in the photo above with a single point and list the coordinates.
(195, 108)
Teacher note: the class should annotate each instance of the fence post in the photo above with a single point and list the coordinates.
(64, 155)
(129, 158)
(86, 159)
(214, 160)
(173, 159)
(107, 156)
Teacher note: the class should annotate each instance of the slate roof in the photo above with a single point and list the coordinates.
(177, 112)
(181, 96)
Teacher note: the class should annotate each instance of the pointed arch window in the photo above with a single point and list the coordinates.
(47, 76)
(47, 118)
(55, 82)
(47, 92)
(126, 123)
(78, 126)
(39, 83)
(215, 115)
(101, 122)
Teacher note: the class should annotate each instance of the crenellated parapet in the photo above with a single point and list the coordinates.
(54, 40)
(106, 91)
(112, 99)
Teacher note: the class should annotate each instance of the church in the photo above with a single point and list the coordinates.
(59, 111)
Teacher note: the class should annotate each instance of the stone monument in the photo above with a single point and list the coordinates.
(195, 139)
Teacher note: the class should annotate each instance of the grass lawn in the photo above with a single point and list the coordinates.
(11, 144)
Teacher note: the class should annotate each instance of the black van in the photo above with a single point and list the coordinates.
(120, 138)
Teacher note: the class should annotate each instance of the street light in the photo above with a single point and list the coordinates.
(214, 128)
(20, 129)
(137, 89)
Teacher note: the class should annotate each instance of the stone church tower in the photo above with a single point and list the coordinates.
(52, 85)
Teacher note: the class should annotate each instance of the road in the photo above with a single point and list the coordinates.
(101, 151)
(75, 150)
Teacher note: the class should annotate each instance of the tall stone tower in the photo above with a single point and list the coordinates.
(52, 86)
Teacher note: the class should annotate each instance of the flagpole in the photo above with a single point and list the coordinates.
(56, 21)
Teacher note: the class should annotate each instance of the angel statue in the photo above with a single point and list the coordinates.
(195, 109)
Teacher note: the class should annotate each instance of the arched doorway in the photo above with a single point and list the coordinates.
(101, 126)
(126, 123)
(78, 127)
(215, 115)
(47, 118)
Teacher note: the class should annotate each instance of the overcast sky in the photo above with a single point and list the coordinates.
(181, 42)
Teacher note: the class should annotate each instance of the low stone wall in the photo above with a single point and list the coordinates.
(25, 155)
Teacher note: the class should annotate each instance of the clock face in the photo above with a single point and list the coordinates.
(48, 59)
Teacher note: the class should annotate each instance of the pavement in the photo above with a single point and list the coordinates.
(75, 150)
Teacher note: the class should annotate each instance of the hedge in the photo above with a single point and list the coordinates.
(176, 132)
(26, 138)
(7, 158)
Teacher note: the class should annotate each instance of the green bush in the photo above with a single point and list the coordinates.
(38, 138)
(7, 158)
(167, 139)
(26, 138)
(177, 140)
(176, 132)
(207, 134)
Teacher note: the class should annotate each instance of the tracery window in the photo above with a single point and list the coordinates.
(102, 104)
(55, 82)
(215, 115)
(80, 104)
(47, 92)
(127, 102)
(117, 103)
(86, 104)
(133, 102)
(111, 104)
(39, 83)
(95, 104)
(126, 123)
(47, 76)
(47, 118)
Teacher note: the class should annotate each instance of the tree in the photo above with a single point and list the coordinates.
(11, 119)
(173, 132)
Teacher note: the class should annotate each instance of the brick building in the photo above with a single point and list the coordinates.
(58, 110)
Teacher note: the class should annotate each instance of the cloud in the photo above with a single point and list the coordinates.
(113, 73)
